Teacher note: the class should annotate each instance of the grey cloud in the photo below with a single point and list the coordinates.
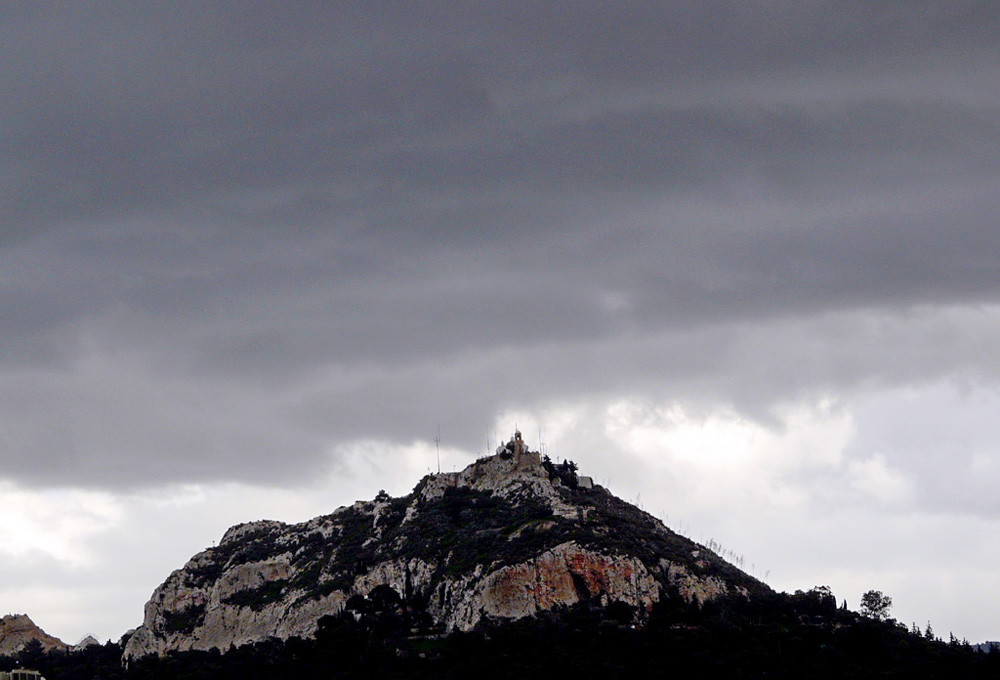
(120, 110)
(408, 201)
(941, 440)
(119, 425)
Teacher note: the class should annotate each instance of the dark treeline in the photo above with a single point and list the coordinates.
(803, 635)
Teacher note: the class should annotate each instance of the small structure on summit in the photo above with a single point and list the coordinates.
(519, 446)
(524, 458)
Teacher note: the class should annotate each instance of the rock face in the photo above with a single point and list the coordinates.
(17, 630)
(510, 536)
(564, 575)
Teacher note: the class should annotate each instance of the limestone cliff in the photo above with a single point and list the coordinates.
(508, 537)
(17, 630)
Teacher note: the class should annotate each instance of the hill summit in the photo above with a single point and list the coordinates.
(510, 536)
(17, 630)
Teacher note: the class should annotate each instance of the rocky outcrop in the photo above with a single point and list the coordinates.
(562, 576)
(88, 641)
(507, 477)
(17, 630)
(508, 537)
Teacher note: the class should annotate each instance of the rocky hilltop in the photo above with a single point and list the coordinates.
(509, 536)
(17, 630)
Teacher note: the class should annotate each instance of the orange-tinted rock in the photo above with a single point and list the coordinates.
(562, 576)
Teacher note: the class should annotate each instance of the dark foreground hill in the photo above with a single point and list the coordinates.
(769, 636)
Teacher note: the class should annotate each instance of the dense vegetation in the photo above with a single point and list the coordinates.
(803, 635)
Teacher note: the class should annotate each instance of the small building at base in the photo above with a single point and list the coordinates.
(21, 674)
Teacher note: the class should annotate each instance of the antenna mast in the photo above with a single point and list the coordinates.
(437, 443)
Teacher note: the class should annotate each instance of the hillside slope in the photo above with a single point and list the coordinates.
(17, 630)
(508, 537)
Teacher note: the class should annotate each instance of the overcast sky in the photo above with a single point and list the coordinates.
(739, 260)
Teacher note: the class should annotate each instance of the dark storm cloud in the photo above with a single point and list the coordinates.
(115, 109)
(293, 223)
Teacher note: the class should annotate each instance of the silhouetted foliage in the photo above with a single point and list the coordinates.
(774, 635)
(876, 605)
(565, 471)
(390, 634)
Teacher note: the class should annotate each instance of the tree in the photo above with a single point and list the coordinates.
(32, 654)
(825, 598)
(876, 605)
